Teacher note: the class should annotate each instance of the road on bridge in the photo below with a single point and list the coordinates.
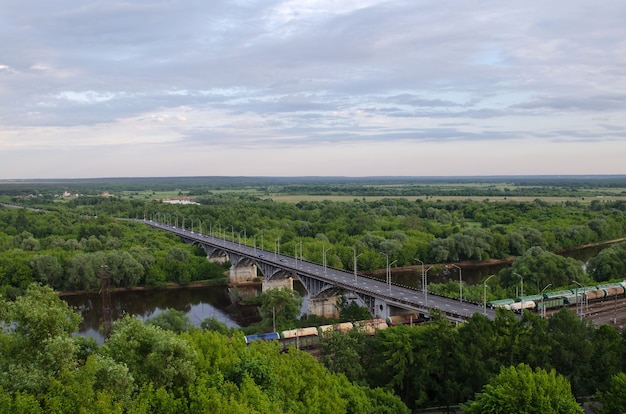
(395, 295)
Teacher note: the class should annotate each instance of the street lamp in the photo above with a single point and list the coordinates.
(581, 305)
(543, 309)
(522, 293)
(324, 251)
(355, 257)
(386, 266)
(389, 274)
(485, 294)
(424, 280)
(276, 246)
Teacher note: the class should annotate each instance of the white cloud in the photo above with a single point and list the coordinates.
(310, 84)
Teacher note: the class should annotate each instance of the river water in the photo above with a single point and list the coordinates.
(197, 303)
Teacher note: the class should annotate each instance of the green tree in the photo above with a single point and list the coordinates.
(152, 354)
(123, 269)
(340, 352)
(47, 270)
(36, 343)
(609, 264)
(171, 320)
(281, 306)
(519, 389)
(613, 400)
(538, 268)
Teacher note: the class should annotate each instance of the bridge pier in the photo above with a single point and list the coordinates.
(325, 307)
(381, 308)
(286, 283)
(218, 259)
(242, 274)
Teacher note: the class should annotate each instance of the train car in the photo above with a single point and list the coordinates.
(500, 303)
(405, 319)
(518, 306)
(551, 303)
(342, 327)
(557, 294)
(613, 289)
(594, 294)
(529, 298)
(370, 326)
(269, 336)
(300, 338)
(573, 298)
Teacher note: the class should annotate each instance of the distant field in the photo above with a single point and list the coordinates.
(291, 198)
(295, 198)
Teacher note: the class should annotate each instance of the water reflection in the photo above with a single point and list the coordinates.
(197, 303)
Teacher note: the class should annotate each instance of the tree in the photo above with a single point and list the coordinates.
(124, 269)
(519, 389)
(340, 352)
(609, 264)
(171, 320)
(151, 353)
(613, 400)
(47, 270)
(350, 311)
(538, 268)
(36, 343)
(280, 305)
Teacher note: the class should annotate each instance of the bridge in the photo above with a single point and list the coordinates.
(322, 283)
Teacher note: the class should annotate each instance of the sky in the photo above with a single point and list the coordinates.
(156, 88)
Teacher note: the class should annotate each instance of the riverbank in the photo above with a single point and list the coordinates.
(198, 284)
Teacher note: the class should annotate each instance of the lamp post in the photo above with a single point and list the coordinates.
(460, 283)
(276, 247)
(356, 256)
(522, 293)
(424, 280)
(543, 309)
(324, 251)
(386, 266)
(581, 305)
(389, 274)
(485, 294)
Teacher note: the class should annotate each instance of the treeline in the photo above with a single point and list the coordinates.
(67, 246)
(149, 368)
(431, 231)
(439, 365)
(570, 186)
(72, 252)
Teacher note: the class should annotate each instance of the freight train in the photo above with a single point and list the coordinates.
(562, 298)
(304, 338)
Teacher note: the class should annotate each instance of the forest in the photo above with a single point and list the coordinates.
(63, 243)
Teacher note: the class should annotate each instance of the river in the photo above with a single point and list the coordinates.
(198, 303)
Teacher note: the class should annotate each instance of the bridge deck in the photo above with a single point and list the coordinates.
(365, 286)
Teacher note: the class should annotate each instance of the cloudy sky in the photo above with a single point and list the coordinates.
(300, 88)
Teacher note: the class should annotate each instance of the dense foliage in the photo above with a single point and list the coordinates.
(521, 390)
(437, 364)
(144, 368)
(71, 252)
(165, 365)
(68, 247)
